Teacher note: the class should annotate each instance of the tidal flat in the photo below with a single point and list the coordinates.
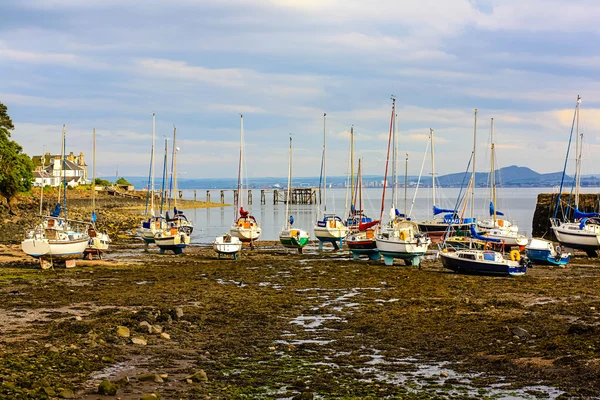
(278, 325)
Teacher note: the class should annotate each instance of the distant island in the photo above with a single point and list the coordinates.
(513, 176)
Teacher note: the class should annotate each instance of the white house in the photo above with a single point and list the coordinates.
(74, 172)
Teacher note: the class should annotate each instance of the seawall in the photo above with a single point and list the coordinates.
(546, 204)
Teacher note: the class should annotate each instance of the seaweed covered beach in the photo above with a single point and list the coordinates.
(275, 324)
(278, 325)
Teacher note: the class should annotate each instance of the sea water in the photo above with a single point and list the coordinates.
(517, 204)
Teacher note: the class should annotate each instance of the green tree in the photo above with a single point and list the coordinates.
(16, 168)
(102, 182)
(122, 181)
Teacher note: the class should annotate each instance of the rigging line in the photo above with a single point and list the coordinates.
(419, 180)
(387, 160)
(562, 180)
(458, 199)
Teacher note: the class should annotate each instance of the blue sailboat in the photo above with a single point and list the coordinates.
(543, 252)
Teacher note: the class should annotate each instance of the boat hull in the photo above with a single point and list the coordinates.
(456, 264)
(175, 243)
(408, 250)
(581, 239)
(246, 234)
(363, 243)
(437, 230)
(57, 250)
(294, 238)
(543, 252)
(227, 244)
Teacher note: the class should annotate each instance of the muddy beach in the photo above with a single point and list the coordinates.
(278, 325)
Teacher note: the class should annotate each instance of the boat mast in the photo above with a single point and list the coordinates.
(493, 173)
(152, 165)
(64, 167)
(289, 189)
(405, 183)
(239, 185)
(359, 184)
(387, 158)
(432, 166)
(164, 177)
(94, 174)
(578, 154)
(324, 167)
(42, 174)
(395, 160)
(175, 194)
(352, 199)
(473, 176)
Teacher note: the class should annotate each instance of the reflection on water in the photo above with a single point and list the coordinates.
(518, 204)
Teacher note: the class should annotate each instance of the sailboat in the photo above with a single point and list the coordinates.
(437, 227)
(152, 223)
(176, 236)
(473, 260)
(401, 237)
(290, 236)
(331, 228)
(361, 228)
(57, 238)
(98, 243)
(245, 227)
(494, 227)
(583, 232)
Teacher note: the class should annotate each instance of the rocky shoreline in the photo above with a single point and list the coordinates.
(275, 324)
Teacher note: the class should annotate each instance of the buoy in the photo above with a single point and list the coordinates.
(515, 255)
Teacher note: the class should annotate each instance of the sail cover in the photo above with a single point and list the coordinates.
(492, 209)
(437, 211)
(578, 214)
(476, 235)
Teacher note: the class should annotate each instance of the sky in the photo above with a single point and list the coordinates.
(198, 65)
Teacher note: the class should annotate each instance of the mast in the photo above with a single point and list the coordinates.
(42, 187)
(152, 165)
(387, 159)
(473, 176)
(577, 154)
(324, 167)
(239, 185)
(65, 173)
(405, 183)
(493, 173)
(432, 166)
(175, 195)
(359, 184)
(62, 165)
(164, 177)
(395, 158)
(352, 199)
(289, 190)
(94, 174)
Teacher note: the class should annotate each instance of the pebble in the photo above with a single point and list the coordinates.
(139, 340)
(123, 331)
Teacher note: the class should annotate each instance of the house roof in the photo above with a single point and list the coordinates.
(41, 174)
(70, 166)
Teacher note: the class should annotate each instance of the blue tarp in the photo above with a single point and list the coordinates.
(492, 209)
(437, 211)
(93, 216)
(291, 220)
(476, 235)
(578, 214)
(56, 211)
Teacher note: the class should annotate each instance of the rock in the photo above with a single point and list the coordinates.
(145, 326)
(107, 388)
(53, 349)
(139, 340)
(199, 376)
(443, 374)
(123, 331)
(178, 312)
(49, 391)
(156, 329)
(581, 329)
(123, 381)
(298, 384)
(304, 396)
(165, 335)
(149, 396)
(189, 381)
(520, 333)
(149, 378)
(164, 376)
(78, 318)
(107, 360)
(66, 394)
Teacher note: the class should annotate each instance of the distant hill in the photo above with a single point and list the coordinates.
(512, 176)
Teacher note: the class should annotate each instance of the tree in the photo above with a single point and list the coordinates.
(122, 181)
(16, 168)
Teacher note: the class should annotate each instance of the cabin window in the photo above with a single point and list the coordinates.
(467, 256)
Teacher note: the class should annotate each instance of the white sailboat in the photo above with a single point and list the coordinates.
(583, 232)
(176, 236)
(227, 244)
(57, 238)
(152, 223)
(331, 228)
(289, 236)
(495, 227)
(245, 227)
(99, 241)
(400, 238)
(473, 260)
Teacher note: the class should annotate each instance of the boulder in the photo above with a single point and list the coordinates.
(149, 396)
(123, 331)
(199, 376)
(66, 394)
(107, 388)
(178, 312)
(165, 335)
(149, 378)
(145, 326)
(139, 340)
(156, 329)
(520, 333)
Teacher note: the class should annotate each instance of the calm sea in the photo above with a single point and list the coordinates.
(518, 205)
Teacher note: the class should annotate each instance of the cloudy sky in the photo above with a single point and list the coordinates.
(197, 64)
